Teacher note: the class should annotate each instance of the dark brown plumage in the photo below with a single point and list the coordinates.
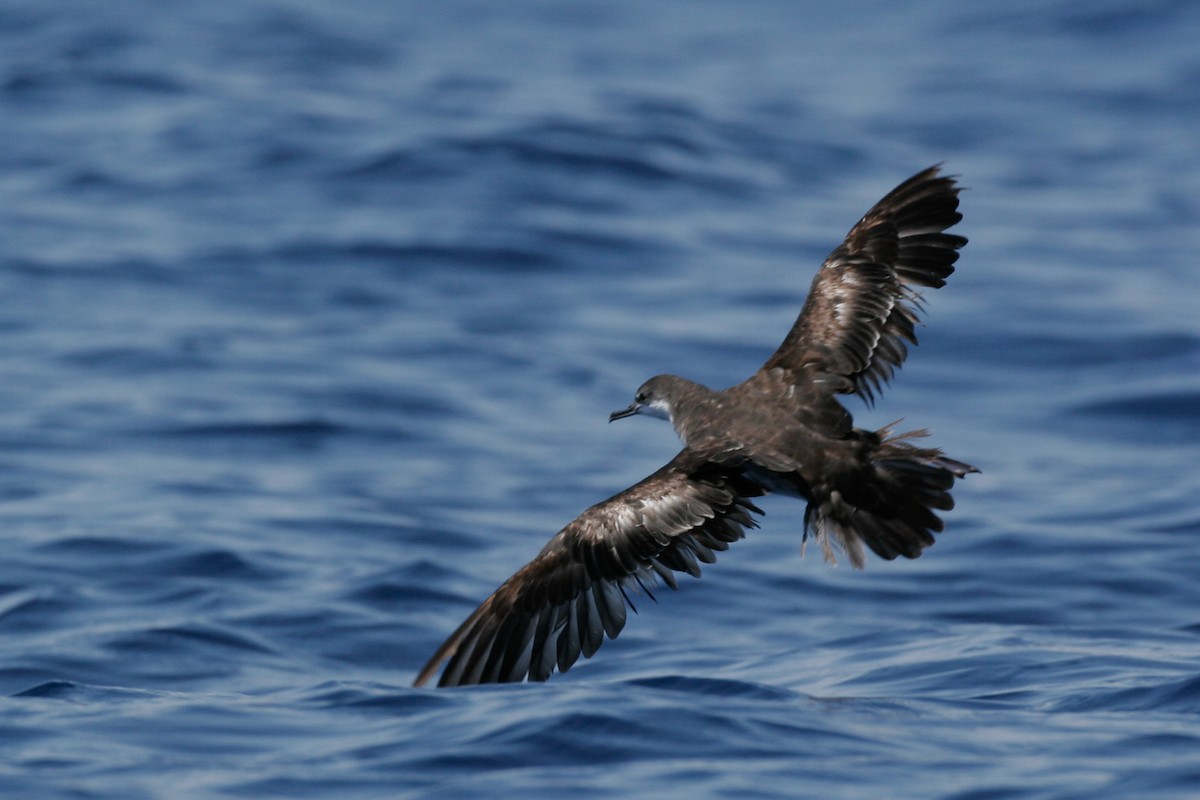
(781, 430)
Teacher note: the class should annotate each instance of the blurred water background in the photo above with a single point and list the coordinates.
(313, 314)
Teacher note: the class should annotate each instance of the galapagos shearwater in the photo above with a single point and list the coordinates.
(781, 430)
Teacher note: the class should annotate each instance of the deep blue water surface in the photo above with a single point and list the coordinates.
(313, 313)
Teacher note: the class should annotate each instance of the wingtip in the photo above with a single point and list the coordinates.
(430, 669)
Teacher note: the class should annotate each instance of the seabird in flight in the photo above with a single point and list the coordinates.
(781, 430)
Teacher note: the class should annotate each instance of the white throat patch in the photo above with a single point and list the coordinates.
(656, 408)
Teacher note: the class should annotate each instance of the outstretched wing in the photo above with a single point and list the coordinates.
(564, 602)
(862, 307)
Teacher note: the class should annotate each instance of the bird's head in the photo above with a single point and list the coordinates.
(653, 399)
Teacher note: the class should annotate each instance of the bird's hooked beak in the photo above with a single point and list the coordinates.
(625, 412)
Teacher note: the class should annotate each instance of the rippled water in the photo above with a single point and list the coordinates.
(314, 313)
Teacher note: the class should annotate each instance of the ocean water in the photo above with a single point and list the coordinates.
(313, 313)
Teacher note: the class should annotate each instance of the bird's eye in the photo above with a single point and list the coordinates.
(641, 397)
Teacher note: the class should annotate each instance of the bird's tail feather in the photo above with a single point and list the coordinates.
(890, 505)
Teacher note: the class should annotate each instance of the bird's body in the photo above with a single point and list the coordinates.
(782, 430)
